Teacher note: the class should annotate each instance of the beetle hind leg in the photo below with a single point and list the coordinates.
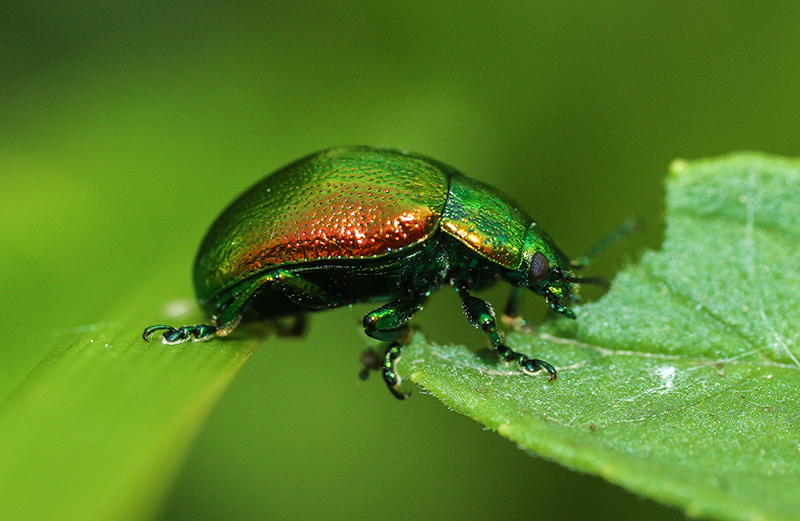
(225, 321)
(179, 335)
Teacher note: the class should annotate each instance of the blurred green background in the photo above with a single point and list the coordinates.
(126, 127)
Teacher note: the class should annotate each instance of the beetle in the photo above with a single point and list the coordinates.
(362, 224)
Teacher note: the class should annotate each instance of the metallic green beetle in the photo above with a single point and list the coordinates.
(361, 224)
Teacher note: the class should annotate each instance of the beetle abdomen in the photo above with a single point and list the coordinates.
(343, 203)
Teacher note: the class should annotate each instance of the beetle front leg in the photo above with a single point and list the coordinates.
(481, 315)
(390, 323)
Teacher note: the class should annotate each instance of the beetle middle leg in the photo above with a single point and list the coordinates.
(481, 315)
(390, 323)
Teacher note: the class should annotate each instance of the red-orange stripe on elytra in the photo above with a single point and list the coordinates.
(354, 235)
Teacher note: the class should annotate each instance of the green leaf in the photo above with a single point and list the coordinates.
(98, 429)
(682, 382)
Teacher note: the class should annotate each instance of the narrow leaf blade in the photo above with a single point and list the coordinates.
(98, 429)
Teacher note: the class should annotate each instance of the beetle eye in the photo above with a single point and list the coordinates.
(539, 266)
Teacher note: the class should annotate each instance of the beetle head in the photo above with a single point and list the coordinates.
(546, 271)
(551, 282)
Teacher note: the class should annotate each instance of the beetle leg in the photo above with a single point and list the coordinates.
(234, 310)
(297, 327)
(299, 290)
(371, 360)
(559, 308)
(226, 321)
(481, 315)
(390, 374)
(511, 315)
(294, 287)
(180, 335)
(390, 323)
